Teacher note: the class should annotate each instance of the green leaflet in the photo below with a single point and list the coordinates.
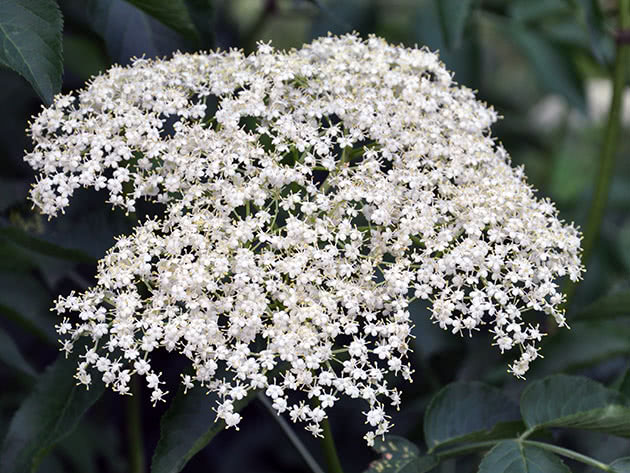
(46, 416)
(30, 43)
(510, 456)
(187, 427)
(473, 411)
(575, 402)
(173, 13)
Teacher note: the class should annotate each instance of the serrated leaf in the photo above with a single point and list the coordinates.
(30, 43)
(621, 465)
(463, 412)
(510, 456)
(399, 455)
(173, 13)
(46, 416)
(612, 305)
(575, 402)
(453, 16)
(11, 356)
(187, 427)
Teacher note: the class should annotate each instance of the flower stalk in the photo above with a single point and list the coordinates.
(134, 429)
(329, 449)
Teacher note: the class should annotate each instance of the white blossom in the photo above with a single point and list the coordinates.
(332, 186)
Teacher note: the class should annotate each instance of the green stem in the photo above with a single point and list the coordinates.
(473, 447)
(609, 149)
(527, 433)
(330, 451)
(286, 428)
(569, 454)
(134, 429)
(468, 448)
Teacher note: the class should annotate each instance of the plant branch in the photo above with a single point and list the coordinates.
(569, 454)
(295, 440)
(473, 447)
(330, 451)
(134, 429)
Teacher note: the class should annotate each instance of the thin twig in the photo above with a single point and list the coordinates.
(286, 428)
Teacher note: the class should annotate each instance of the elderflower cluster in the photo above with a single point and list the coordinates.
(332, 186)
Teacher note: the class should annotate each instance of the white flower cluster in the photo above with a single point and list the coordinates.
(333, 185)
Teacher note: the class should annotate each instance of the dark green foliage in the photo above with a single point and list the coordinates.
(187, 427)
(575, 402)
(510, 456)
(520, 55)
(460, 420)
(46, 416)
(463, 412)
(30, 43)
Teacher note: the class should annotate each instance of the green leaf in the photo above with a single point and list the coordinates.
(612, 305)
(575, 402)
(187, 427)
(173, 13)
(462, 412)
(10, 355)
(510, 456)
(453, 15)
(621, 465)
(30, 43)
(399, 455)
(46, 416)
(551, 65)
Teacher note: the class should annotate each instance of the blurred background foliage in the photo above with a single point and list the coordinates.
(544, 65)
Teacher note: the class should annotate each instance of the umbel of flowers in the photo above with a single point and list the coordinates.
(332, 186)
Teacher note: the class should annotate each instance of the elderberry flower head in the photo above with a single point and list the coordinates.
(332, 186)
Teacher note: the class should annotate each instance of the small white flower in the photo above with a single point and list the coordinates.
(276, 251)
